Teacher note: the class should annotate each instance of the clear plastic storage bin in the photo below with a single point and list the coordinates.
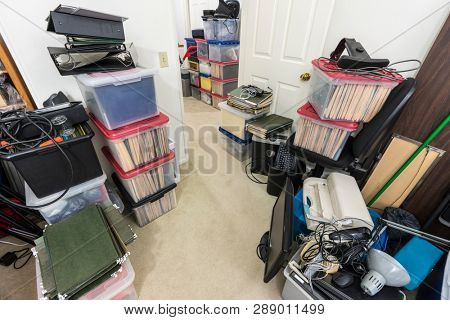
(324, 137)
(344, 96)
(194, 78)
(238, 148)
(206, 96)
(225, 70)
(120, 287)
(202, 48)
(205, 82)
(138, 143)
(75, 200)
(205, 67)
(121, 97)
(223, 87)
(148, 179)
(216, 99)
(195, 92)
(223, 51)
(223, 29)
(152, 207)
(193, 64)
(234, 120)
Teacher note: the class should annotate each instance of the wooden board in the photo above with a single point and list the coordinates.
(15, 76)
(398, 151)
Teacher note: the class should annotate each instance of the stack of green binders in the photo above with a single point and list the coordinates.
(79, 253)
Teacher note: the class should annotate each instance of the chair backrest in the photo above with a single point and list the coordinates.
(367, 142)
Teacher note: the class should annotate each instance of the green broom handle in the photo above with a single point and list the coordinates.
(411, 159)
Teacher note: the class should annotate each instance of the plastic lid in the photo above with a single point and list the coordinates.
(308, 111)
(32, 200)
(98, 79)
(224, 43)
(324, 64)
(130, 129)
(200, 40)
(241, 114)
(233, 137)
(218, 96)
(151, 198)
(113, 286)
(204, 91)
(204, 75)
(224, 80)
(133, 173)
(224, 63)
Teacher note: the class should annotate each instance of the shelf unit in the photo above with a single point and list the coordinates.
(10, 69)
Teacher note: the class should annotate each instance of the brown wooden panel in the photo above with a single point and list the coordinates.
(427, 108)
(15, 76)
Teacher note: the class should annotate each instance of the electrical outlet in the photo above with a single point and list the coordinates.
(163, 60)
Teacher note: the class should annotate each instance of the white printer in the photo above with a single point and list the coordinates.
(335, 199)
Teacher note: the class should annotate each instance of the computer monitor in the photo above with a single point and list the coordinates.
(280, 234)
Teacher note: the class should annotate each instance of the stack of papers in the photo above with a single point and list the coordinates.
(253, 105)
(78, 254)
(264, 127)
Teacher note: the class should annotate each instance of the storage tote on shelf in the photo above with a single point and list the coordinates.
(216, 99)
(223, 29)
(46, 170)
(223, 51)
(223, 87)
(238, 148)
(234, 120)
(205, 67)
(119, 98)
(191, 42)
(75, 200)
(193, 64)
(195, 92)
(202, 48)
(139, 143)
(339, 95)
(151, 207)
(194, 77)
(206, 96)
(324, 137)
(224, 70)
(205, 82)
(145, 180)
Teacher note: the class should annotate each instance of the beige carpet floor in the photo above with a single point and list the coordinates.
(206, 247)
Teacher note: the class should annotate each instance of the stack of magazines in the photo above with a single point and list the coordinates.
(266, 127)
(250, 99)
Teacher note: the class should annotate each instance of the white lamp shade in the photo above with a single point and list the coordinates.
(384, 270)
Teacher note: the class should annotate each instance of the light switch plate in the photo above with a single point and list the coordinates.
(163, 60)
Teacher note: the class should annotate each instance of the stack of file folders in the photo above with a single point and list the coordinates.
(79, 254)
(94, 41)
(245, 100)
(266, 127)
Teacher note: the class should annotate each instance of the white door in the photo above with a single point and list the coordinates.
(279, 38)
(196, 8)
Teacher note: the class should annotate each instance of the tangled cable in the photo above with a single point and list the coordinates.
(388, 72)
(322, 249)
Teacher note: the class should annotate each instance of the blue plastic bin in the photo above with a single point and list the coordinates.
(120, 98)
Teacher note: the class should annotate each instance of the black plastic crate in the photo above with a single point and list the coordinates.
(46, 171)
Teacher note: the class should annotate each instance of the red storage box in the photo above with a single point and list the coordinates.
(324, 137)
(138, 143)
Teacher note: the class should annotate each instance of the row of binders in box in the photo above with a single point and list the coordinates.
(338, 102)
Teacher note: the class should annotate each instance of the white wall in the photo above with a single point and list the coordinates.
(397, 30)
(151, 27)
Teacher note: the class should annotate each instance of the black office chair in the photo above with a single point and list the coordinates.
(360, 152)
